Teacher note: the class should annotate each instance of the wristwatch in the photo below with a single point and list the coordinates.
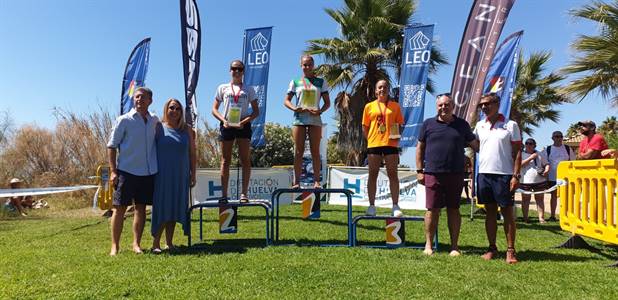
(517, 176)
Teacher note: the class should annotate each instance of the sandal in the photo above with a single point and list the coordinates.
(223, 200)
(244, 198)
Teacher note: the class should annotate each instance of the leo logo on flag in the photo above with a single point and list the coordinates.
(418, 53)
(496, 84)
(259, 53)
(395, 232)
(259, 42)
(131, 88)
(228, 220)
(419, 41)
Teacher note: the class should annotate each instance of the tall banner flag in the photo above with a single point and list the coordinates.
(485, 22)
(134, 74)
(502, 72)
(190, 31)
(256, 55)
(414, 70)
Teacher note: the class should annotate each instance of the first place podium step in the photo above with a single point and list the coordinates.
(275, 211)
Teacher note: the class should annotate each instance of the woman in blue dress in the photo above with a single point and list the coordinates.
(176, 160)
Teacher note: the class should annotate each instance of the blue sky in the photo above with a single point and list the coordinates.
(71, 53)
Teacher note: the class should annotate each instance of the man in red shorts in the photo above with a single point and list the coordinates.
(440, 165)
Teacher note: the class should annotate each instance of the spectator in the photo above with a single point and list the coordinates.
(534, 170)
(556, 153)
(18, 203)
(593, 144)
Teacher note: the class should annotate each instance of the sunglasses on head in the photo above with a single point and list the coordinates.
(237, 69)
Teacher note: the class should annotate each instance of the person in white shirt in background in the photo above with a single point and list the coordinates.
(534, 170)
(556, 153)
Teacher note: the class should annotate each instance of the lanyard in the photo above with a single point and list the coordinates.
(305, 80)
(382, 119)
(236, 96)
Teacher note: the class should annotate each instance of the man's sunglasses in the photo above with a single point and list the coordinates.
(237, 69)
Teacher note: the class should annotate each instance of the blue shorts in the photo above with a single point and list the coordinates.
(495, 188)
(133, 189)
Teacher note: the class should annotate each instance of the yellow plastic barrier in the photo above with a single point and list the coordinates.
(104, 193)
(588, 204)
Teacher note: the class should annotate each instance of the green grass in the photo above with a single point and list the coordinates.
(59, 253)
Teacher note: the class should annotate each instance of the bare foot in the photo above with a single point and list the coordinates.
(114, 251)
(428, 251)
(454, 253)
(296, 186)
(317, 185)
(137, 249)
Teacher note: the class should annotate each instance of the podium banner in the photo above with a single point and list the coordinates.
(262, 184)
(411, 194)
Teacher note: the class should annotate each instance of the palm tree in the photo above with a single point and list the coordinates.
(572, 131)
(535, 94)
(609, 126)
(368, 50)
(597, 55)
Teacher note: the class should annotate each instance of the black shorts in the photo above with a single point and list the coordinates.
(495, 188)
(386, 150)
(533, 187)
(132, 188)
(230, 134)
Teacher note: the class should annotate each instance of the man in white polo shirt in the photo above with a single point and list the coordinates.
(499, 165)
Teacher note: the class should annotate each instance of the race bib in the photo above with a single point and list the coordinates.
(309, 99)
(233, 116)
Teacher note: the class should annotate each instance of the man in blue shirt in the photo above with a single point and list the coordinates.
(133, 163)
(440, 166)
